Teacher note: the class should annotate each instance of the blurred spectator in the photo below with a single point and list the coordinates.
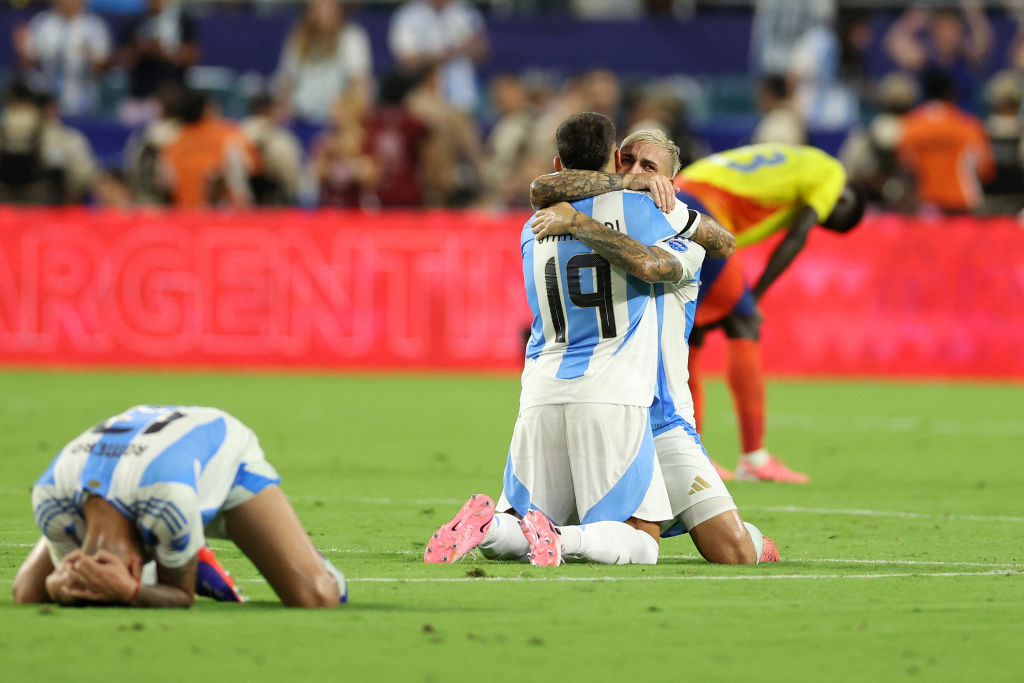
(397, 139)
(346, 173)
(42, 161)
(208, 163)
(142, 155)
(659, 108)
(607, 10)
(1015, 53)
(819, 95)
(22, 177)
(156, 48)
(110, 190)
(278, 169)
(778, 25)
(958, 43)
(324, 57)
(448, 33)
(453, 152)
(870, 154)
(946, 149)
(62, 51)
(553, 110)
(602, 93)
(780, 121)
(509, 143)
(1004, 194)
(856, 36)
(66, 157)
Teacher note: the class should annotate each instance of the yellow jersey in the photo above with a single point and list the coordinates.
(757, 190)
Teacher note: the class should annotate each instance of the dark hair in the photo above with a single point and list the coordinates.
(262, 103)
(192, 107)
(847, 214)
(937, 85)
(18, 91)
(775, 85)
(585, 141)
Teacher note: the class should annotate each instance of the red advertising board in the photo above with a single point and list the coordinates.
(443, 290)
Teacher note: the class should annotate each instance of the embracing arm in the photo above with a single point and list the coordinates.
(650, 264)
(716, 240)
(787, 250)
(569, 185)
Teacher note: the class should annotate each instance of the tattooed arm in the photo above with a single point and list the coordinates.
(716, 240)
(569, 185)
(650, 264)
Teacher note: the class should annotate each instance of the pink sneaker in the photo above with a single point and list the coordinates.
(773, 470)
(770, 552)
(545, 543)
(464, 532)
(725, 474)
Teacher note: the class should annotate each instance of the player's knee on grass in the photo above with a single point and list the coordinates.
(724, 539)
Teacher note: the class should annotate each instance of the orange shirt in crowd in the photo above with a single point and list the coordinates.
(949, 153)
(210, 151)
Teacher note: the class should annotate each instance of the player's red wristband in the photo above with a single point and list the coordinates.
(135, 593)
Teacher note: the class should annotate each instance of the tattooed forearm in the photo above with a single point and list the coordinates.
(647, 263)
(716, 240)
(569, 185)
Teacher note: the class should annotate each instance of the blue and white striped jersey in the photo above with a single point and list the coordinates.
(673, 402)
(167, 468)
(594, 335)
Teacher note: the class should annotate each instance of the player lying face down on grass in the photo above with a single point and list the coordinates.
(701, 503)
(151, 484)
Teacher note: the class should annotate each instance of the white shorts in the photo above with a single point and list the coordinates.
(585, 462)
(695, 490)
(252, 473)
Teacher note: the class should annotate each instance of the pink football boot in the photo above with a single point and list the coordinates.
(464, 532)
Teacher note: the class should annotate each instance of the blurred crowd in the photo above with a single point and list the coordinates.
(938, 133)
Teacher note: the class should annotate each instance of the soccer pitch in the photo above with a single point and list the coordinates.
(902, 560)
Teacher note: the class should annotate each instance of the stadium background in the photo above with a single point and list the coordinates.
(906, 295)
(404, 309)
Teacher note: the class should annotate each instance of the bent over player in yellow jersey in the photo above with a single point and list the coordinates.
(756, 192)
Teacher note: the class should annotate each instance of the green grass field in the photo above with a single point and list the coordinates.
(903, 560)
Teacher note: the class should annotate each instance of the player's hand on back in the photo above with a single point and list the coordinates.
(662, 191)
(557, 219)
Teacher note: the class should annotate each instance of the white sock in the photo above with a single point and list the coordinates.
(757, 537)
(339, 579)
(504, 539)
(756, 458)
(608, 543)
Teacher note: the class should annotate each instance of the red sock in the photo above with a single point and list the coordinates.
(746, 382)
(696, 386)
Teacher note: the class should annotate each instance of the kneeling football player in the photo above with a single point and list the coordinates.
(151, 484)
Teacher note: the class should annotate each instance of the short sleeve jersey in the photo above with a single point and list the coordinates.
(757, 190)
(594, 331)
(167, 468)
